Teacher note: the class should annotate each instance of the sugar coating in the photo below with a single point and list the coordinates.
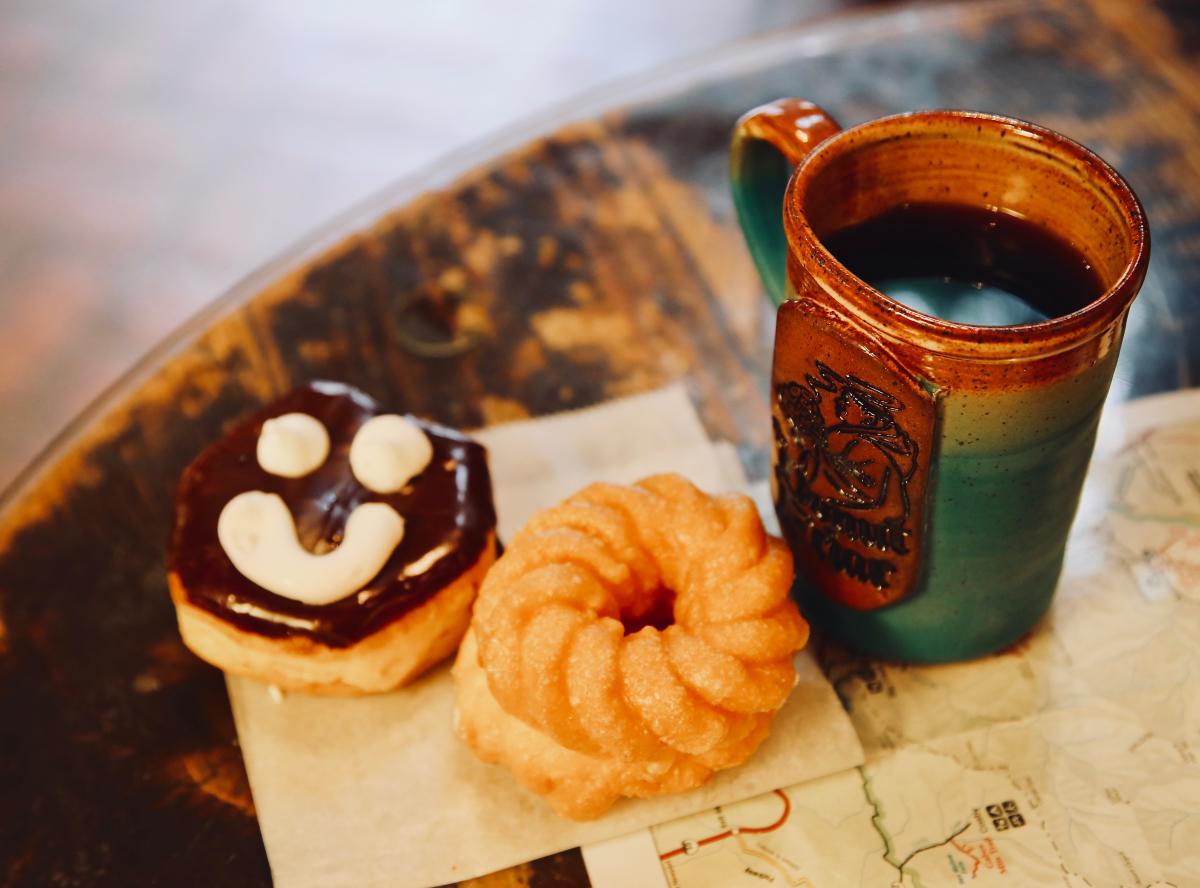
(550, 626)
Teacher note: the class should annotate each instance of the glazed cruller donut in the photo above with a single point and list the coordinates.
(630, 642)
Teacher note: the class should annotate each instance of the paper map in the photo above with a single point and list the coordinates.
(1072, 759)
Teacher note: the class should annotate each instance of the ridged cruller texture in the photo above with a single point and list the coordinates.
(584, 712)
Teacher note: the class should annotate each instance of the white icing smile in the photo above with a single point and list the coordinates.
(292, 445)
(258, 533)
(257, 530)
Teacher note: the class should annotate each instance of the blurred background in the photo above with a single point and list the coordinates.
(153, 153)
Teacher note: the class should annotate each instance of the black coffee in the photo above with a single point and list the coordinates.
(968, 264)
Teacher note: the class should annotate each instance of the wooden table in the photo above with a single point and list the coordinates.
(155, 153)
(585, 261)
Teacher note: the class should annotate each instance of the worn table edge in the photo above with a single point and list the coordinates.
(620, 95)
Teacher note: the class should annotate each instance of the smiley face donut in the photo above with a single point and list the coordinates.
(631, 641)
(329, 546)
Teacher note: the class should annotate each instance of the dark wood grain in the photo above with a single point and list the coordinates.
(155, 152)
(599, 260)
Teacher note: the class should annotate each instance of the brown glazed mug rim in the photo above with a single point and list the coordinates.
(896, 320)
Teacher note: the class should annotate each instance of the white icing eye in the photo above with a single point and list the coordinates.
(258, 533)
(292, 445)
(388, 451)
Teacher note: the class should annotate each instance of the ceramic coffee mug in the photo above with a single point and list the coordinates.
(926, 472)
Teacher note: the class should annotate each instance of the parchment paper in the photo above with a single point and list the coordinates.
(378, 791)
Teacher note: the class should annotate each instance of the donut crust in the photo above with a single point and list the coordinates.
(383, 661)
(567, 679)
(575, 785)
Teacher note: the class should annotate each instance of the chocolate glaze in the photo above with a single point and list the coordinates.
(447, 510)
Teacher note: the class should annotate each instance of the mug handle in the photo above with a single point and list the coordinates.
(768, 143)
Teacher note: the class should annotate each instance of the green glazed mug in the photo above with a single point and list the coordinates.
(926, 472)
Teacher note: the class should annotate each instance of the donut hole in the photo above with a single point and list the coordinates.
(659, 615)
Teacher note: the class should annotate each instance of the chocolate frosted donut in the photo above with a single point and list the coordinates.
(400, 619)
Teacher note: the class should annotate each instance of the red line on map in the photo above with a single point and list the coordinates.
(708, 840)
(967, 851)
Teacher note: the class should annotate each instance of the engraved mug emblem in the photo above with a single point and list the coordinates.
(844, 463)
